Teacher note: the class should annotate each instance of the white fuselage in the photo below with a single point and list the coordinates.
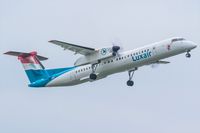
(124, 61)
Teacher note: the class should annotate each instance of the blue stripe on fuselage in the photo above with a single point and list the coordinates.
(42, 80)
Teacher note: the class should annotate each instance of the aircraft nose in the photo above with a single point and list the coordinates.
(193, 45)
(190, 45)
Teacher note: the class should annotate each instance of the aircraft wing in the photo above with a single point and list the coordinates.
(162, 62)
(75, 48)
(159, 62)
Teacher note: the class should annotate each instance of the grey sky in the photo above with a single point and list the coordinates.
(163, 100)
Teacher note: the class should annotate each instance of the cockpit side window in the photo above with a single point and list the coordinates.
(177, 39)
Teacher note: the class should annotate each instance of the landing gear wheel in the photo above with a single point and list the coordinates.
(130, 74)
(130, 83)
(188, 55)
(93, 76)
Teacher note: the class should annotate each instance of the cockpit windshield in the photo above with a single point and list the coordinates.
(177, 39)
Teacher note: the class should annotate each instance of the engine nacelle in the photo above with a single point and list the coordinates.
(96, 57)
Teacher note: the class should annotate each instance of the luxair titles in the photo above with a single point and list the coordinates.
(142, 56)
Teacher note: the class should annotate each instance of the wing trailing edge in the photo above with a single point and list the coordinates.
(74, 48)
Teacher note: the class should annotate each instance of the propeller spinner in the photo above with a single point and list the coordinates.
(115, 49)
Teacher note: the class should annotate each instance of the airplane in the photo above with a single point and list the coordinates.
(96, 64)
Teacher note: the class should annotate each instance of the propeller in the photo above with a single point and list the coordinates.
(115, 49)
(117, 46)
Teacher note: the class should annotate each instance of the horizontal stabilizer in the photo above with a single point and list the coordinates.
(14, 53)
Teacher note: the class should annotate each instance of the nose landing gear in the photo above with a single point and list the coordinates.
(188, 55)
(130, 82)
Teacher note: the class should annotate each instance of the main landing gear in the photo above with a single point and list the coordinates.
(93, 76)
(130, 82)
(188, 55)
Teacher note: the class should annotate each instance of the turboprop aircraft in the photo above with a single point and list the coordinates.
(95, 64)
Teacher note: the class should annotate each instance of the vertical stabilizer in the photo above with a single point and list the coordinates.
(32, 65)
